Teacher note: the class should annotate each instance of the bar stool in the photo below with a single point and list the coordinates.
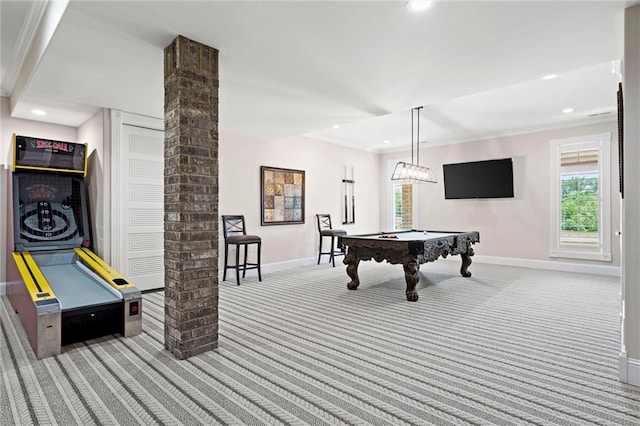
(235, 234)
(326, 230)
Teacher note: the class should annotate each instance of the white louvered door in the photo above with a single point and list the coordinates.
(141, 165)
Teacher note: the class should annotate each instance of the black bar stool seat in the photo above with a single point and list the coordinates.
(326, 230)
(235, 234)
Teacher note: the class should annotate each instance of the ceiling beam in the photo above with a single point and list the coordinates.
(35, 12)
(40, 33)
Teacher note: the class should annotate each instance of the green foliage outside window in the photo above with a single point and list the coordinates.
(398, 202)
(580, 203)
(403, 211)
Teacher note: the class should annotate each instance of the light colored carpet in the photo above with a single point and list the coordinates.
(506, 346)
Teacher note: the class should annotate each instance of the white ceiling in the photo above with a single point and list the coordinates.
(300, 67)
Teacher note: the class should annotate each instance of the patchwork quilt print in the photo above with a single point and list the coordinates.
(283, 196)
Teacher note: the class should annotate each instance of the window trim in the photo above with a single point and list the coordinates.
(413, 205)
(391, 164)
(602, 142)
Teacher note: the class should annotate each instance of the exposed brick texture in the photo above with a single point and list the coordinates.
(191, 197)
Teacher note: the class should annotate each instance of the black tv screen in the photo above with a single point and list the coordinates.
(479, 179)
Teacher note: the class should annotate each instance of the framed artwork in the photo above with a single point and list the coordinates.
(282, 196)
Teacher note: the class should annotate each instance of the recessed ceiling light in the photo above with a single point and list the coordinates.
(38, 112)
(385, 141)
(549, 76)
(568, 110)
(335, 126)
(418, 5)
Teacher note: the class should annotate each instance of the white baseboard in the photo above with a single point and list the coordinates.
(295, 263)
(633, 377)
(282, 266)
(508, 261)
(629, 370)
(584, 268)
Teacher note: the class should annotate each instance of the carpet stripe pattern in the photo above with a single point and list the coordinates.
(506, 346)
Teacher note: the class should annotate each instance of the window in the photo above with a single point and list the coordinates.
(580, 200)
(402, 206)
(402, 202)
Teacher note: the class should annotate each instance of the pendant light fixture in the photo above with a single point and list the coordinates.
(414, 172)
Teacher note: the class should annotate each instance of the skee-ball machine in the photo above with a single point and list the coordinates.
(61, 290)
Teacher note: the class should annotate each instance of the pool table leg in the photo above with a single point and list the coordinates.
(352, 262)
(411, 276)
(466, 261)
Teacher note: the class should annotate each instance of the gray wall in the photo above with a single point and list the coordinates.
(511, 228)
(323, 163)
(631, 211)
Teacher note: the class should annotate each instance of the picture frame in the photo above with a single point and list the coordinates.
(281, 196)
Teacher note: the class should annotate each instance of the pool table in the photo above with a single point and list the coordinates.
(410, 248)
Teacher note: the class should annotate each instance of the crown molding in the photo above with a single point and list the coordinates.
(28, 31)
(587, 121)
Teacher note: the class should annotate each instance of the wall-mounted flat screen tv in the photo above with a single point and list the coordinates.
(479, 179)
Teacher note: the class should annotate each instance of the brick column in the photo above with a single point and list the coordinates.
(190, 198)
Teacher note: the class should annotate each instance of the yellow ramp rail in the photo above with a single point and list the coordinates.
(99, 266)
(36, 283)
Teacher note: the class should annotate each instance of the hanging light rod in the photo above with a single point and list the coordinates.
(414, 172)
